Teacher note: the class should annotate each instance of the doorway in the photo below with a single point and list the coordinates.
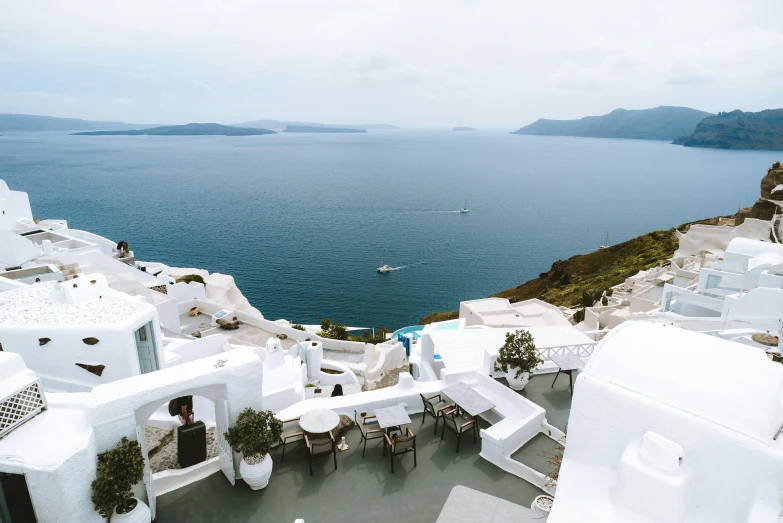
(15, 503)
(145, 346)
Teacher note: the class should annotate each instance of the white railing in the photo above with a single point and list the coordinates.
(583, 350)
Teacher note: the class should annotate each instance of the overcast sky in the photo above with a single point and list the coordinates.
(423, 63)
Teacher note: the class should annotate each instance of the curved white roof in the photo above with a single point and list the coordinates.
(751, 248)
(731, 384)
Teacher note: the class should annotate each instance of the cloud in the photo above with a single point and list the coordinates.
(500, 63)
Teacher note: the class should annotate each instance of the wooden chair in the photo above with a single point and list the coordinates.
(434, 409)
(368, 427)
(450, 422)
(320, 447)
(401, 445)
(293, 432)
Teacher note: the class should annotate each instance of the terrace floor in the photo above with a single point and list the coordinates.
(246, 334)
(364, 489)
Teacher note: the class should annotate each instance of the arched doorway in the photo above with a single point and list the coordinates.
(211, 406)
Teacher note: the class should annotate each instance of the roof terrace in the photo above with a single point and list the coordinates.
(365, 489)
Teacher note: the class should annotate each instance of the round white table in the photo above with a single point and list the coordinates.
(319, 421)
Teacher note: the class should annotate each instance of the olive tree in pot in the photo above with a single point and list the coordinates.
(517, 358)
(253, 435)
(119, 469)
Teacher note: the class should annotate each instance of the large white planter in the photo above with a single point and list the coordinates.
(256, 476)
(514, 383)
(140, 514)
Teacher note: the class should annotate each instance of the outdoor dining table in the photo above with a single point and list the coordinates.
(468, 399)
(319, 421)
(391, 418)
(567, 363)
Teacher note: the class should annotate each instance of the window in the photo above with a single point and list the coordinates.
(712, 281)
(143, 333)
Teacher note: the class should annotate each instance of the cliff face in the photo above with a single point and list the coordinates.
(660, 123)
(763, 209)
(738, 130)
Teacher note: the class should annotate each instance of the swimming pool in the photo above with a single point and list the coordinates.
(449, 325)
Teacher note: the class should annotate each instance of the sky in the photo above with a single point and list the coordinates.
(417, 64)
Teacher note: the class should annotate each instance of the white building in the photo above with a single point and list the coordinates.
(54, 446)
(500, 313)
(672, 426)
(80, 333)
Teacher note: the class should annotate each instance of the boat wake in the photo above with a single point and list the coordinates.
(408, 266)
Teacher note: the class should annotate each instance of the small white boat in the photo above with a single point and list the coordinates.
(384, 268)
(463, 210)
(606, 245)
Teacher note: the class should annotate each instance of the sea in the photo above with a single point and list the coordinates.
(302, 221)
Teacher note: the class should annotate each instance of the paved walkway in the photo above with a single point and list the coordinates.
(363, 490)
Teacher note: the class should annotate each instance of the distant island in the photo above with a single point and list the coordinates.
(738, 130)
(280, 125)
(660, 123)
(191, 129)
(31, 122)
(311, 129)
(463, 129)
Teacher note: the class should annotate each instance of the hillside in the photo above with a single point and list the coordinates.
(738, 130)
(310, 129)
(566, 280)
(191, 129)
(30, 122)
(279, 125)
(660, 123)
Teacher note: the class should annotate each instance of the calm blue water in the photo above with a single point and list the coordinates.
(301, 220)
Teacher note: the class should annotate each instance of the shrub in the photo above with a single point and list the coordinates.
(333, 331)
(579, 316)
(297, 327)
(604, 301)
(191, 277)
(119, 469)
(609, 292)
(519, 352)
(254, 434)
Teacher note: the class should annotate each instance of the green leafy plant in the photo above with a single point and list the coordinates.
(604, 301)
(579, 316)
(333, 331)
(254, 434)
(297, 327)
(518, 353)
(119, 469)
(609, 292)
(191, 277)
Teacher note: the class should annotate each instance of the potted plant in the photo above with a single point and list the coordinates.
(517, 358)
(253, 435)
(119, 469)
(542, 505)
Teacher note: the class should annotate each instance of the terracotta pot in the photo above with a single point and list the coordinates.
(514, 383)
(256, 476)
(140, 514)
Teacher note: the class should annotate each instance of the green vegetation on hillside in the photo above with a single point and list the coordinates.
(660, 123)
(569, 281)
(191, 129)
(738, 130)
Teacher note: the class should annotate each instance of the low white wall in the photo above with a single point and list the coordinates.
(196, 349)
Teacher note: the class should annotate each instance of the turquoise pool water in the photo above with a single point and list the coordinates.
(416, 329)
